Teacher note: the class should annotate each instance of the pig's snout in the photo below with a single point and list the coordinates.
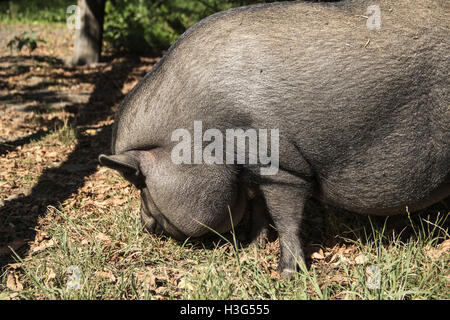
(149, 223)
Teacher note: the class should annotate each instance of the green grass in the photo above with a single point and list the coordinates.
(118, 260)
(67, 134)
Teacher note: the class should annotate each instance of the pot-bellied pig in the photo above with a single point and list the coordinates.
(347, 102)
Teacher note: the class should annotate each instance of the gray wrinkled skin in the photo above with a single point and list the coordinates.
(364, 125)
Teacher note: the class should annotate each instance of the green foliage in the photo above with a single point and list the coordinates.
(153, 25)
(141, 26)
(24, 40)
(34, 11)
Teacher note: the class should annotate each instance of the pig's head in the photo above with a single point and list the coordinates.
(181, 200)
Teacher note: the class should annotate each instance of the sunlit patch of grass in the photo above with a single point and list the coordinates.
(67, 134)
(403, 264)
(117, 259)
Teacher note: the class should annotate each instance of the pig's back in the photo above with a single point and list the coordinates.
(367, 109)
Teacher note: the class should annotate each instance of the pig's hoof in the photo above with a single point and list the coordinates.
(260, 241)
(149, 223)
(287, 274)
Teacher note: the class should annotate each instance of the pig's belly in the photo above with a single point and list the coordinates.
(381, 199)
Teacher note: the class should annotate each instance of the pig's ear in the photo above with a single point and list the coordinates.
(126, 164)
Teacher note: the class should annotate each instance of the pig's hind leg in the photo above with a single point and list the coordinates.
(285, 196)
(259, 219)
(254, 227)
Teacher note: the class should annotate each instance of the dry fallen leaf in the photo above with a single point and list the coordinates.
(13, 282)
(119, 201)
(339, 279)
(15, 266)
(102, 237)
(51, 275)
(44, 245)
(106, 274)
(275, 275)
(41, 235)
(445, 246)
(318, 255)
(91, 132)
(362, 259)
(147, 279)
(342, 260)
(185, 284)
(161, 290)
(436, 253)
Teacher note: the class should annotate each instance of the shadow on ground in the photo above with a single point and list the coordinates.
(52, 187)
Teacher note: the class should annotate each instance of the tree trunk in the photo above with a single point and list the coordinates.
(88, 38)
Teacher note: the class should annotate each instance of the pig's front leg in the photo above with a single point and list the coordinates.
(285, 197)
(148, 222)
